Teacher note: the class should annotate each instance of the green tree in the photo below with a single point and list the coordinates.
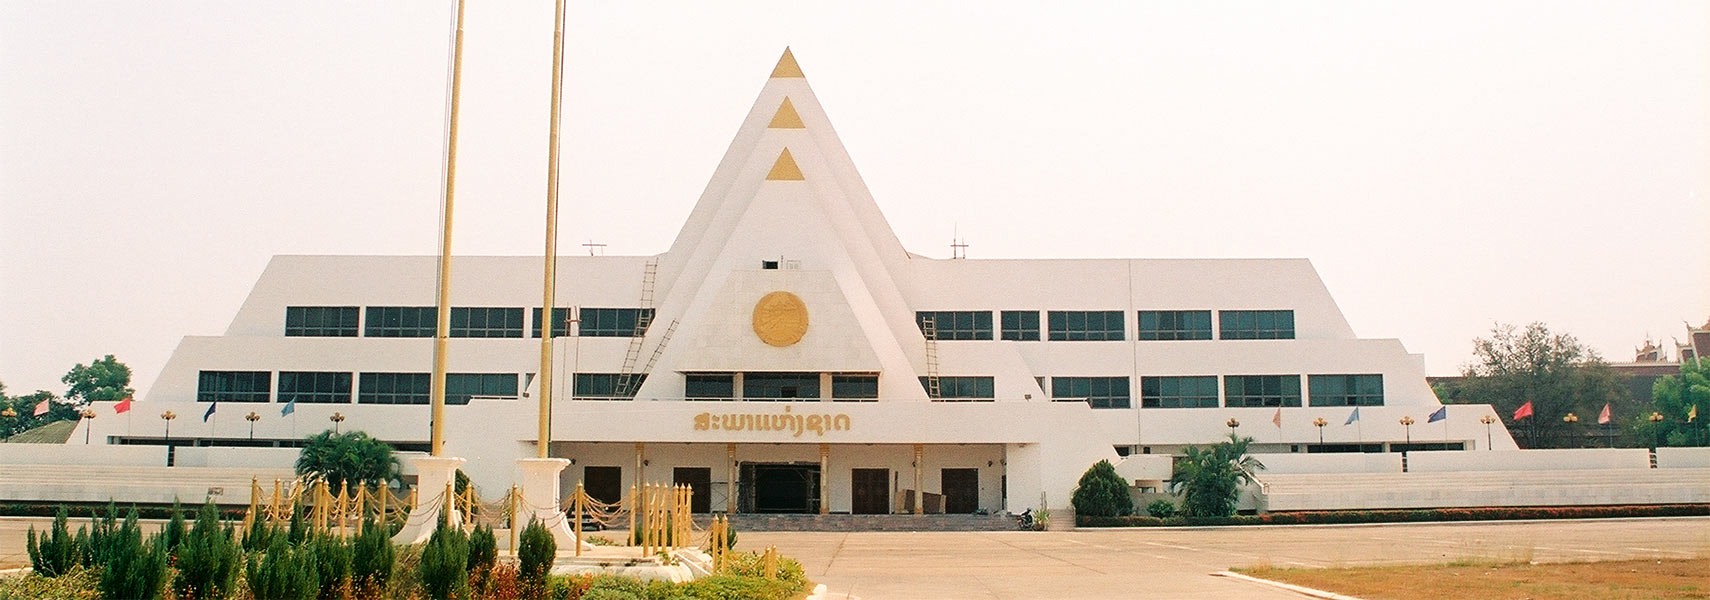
(535, 555)
(1553, 371)
(24, 408)
(371, 566)
(57, 551)
(103, 380)
(351, 456)
(1209, 479)
(1102, 493)
(1674, 397)
(207, 565)
(445, 562)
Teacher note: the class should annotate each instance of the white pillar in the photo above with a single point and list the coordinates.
(433, 474)
(541, 496)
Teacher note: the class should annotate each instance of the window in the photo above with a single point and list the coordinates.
(769, 265)
(1346, 390)
(483, 322)
(957, 325)
(1021, 325)
(400, 321)
(1261, 390)
(1100, 392)
(614, 322)
(780, 386)
(606, 386)
(560, 322)
(709, 386)
(961, 388)
(1256, 324)
(233, 386)
(1085, 325)
(314, 387)
(1179, 392)
(855, 387)
(1175, 325)
(393, 388)
(460, 387)
(320, 321)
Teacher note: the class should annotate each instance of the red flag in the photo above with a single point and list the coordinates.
(123, 406)
(1524, 411)
(1277, 418)
(1603, 417)
(41, 409)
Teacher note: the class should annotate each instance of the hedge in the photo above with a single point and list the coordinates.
(90, 509)
(1407, 516)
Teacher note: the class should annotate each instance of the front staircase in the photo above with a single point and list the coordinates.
(770, 522)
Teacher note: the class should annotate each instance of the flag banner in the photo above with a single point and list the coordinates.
(41, 409)
(123, 406)
(1441, 414)
(1277, 418)
(290, 407)
(1353, 416)
(211, 409)
(1603, 418)
(1524, 411)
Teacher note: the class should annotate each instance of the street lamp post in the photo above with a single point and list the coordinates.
(1570, 419)
(336, 418)
(1487, 420)
(1232, 424)
(87, 415)
(168, 416)
(1656, 419)
(1407, 429)
(1320, 423)
(252, 418)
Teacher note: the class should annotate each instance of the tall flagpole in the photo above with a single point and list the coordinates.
(442, 330)
(546, 319)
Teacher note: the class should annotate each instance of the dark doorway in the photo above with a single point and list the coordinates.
(779, 488)
(699, 480)
(961, 489)
(604, 484)
(870, 491)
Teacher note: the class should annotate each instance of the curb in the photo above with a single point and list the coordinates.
(1315, 593)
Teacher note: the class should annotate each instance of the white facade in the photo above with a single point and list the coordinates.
(786, 211)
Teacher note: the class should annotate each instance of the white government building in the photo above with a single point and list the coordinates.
(788, 355)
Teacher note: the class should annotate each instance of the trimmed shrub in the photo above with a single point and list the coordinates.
(1407, 516)
(1161, 508)
(535, 552)
(207, 558)
(56, 552)
(371, 565)
(259, 535)
(101, 532)
(135, 568)
(483, 550)
(445, 563)
(76, 584)
(282, 572)
(1102, 493)
(333, 562)
(174, 530)
(726, 587)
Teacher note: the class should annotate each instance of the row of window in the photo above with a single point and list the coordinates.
(1106, 325)
(466, 322)
(333, 387)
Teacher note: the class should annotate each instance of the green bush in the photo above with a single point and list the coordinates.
(1209, 479)
(135, 568)
(76, 584)
(751, 565)
(535, 552)
(726, 587)
(483, 550)
(351, 456)
(371, 565)
(101, 534)
(207, 558)
(57, 552)
(333, 563)
(174, 529)
(629, 587)
(1102, 493)
(445, 563)
(282, 572)
(609, 594)
(299, 529)
(1161, 508)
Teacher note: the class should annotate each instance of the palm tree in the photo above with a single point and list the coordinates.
(1209, 479)
(351, 456)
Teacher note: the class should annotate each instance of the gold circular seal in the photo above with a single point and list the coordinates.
(780, 319)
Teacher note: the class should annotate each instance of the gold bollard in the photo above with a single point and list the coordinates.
(577, 506)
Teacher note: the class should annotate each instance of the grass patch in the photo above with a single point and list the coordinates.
(1619, 580)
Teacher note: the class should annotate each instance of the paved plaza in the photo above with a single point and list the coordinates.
(1160, 563)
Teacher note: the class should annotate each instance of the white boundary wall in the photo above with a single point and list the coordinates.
(1683, 458)
(1530, 460)
(1352, 462)
(82, 454)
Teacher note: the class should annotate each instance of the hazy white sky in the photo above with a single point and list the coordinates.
(1445, 165)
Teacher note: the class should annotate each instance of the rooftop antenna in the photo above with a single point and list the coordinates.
(958, 246)
(592, 247)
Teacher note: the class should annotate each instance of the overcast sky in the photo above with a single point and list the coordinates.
(1445, 165)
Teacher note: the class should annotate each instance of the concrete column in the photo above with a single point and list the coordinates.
(540, 495)
(433, 475)
(919, 496)
(730, 463)
(824, 474)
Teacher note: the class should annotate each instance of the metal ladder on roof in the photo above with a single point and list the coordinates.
(643, 318)
(929, 329)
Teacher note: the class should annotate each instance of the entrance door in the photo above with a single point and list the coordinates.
(870, 491)
(780, 488)
(604, 484)
(961, 490)
(699, 480)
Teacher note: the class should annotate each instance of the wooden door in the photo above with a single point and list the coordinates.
(604, 484)
(961, 489)
(699, 480)
(870, 491)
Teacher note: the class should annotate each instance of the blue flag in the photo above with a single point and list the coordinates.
(210, 413)
(1353, 416)
(290, 407)
(1442, 413)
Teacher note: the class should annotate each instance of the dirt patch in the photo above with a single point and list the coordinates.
(1620, 580)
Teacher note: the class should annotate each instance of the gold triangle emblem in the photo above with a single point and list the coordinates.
(787, 66)
(786, 117)
(785, 169)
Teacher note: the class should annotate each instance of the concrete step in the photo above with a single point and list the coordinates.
(846, 522)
